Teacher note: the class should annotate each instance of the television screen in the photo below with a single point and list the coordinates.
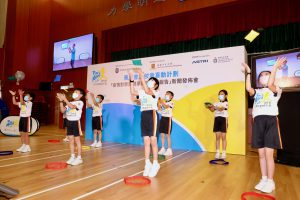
(288, 77)
(73, 53)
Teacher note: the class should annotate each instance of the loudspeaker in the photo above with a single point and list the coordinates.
(45, 86)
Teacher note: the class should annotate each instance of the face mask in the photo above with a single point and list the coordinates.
(167, 97)
(97, 100)
(74, 95)
(264, 80)
(26, 98)
(221, 97)
(150, 84)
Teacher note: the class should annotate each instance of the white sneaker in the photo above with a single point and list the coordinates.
(261, 184)
(217, 156)
(268, 187)
(147, 169)
(223, 156)
(93, 144)
(21, 147)
(98, 144)
(26, 149)
(154, 170)
(162, 151)
(66, 139)
(168, 152)
(71, 159)
(77, 161)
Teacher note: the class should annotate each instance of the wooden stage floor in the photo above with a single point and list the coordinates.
(186, 175)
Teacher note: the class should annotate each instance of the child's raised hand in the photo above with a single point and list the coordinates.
(130, 73)
(58, 95)
(12, 92)
(63, 97)
(21, 92)
(246, 68)
(280, 62)
(140, 71)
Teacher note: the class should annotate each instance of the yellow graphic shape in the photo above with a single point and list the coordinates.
(192, 113)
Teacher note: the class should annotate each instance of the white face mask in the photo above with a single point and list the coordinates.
(75, 95)
(221, 97)
(264, 80)
(26, 98)
(150, 84)
(167, 97)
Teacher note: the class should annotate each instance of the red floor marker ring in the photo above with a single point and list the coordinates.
(263, 196)
(5, 153)
(56, 165)
(54, 141)
(137, 180)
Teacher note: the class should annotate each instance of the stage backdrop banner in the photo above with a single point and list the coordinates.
(194, 78)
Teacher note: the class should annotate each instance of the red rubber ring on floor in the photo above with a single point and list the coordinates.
(264, 196)
(56, 165)
(54, 141)
(137, 180)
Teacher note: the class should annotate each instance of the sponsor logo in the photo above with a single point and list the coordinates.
(10, 123)
(200, 61)
(98, 75)
(222, 59)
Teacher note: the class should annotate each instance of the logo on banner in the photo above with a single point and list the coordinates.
(10, 123)
(200, 61)
(222, 59)
(98, 75)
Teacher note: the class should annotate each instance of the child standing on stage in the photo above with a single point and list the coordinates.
(265, 133)
(221, 122)
(25, 124)
(165, 125)
(97, 118)
(148, 97)
(73, 111)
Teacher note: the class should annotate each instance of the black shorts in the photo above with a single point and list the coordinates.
(149, 123)
(73, 128)
(220, 124)
(266, 133)
(65, 122)
(165, 125)
(97, 123)
(25, 124)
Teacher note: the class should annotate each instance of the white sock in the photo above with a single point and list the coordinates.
(27, 145)
(155, 162)
(270, 180)
(147, 161)
(218, 151)
(79, 157)
(264, 178)
(224, 152)
(95, 141)
(72, 155)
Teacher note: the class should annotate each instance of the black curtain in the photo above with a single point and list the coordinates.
(275, 38)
